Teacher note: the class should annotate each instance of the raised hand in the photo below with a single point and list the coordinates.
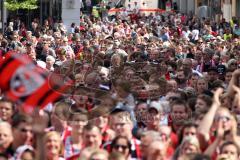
(236, 101)
(236, 73)
(220, 130)
(216, 97)
(40, 121)
(236, 89)
(234, 127)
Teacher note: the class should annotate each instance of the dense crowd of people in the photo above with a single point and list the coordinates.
(145, 87)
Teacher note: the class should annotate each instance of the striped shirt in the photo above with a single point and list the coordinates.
(69, 149)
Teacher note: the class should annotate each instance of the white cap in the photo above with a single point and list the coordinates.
(51, 58)
(166, 44)
(21, 149)
(41, 64)
(155, 105)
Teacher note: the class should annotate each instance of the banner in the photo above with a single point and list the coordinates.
(26, 84)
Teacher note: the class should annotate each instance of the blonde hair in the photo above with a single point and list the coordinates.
(87, 152)
(57, 135)
(193, 140)
(99, 151)
(5, 125)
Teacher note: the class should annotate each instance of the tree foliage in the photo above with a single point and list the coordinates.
(13, 5)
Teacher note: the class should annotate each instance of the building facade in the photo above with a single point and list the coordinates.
(236, 8)
(69, 10)
(185, 6)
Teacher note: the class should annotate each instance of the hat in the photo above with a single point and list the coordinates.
(231, 61)
(29, 32)
(214, 69)
(21, 149)
(155, 105)
(41, 64)
(51, 58)
(45, 37)
(166, 44)
(220, 38)
(134, 35)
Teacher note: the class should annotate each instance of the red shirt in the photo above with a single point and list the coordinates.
(174, 139)
(170, 151)
(105, 135)
(133, 17)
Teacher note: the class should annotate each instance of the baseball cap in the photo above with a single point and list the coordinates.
(155, 105)
(214, 69)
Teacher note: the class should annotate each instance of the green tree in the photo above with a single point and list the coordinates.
(13, 5)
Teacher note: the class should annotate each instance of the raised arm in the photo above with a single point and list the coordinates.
(234, 81)
(206, 123)
(234, 135)
(220, 134)
(39, 124)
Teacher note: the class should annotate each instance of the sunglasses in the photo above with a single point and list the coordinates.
(223, 118)
(118, 146)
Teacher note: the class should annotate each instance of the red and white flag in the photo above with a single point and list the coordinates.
(27, 84)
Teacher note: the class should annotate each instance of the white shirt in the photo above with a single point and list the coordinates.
(195, 34)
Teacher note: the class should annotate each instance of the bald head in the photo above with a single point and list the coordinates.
(6, 136)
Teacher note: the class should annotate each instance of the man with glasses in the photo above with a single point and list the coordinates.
(122, 124)
(65, 46)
